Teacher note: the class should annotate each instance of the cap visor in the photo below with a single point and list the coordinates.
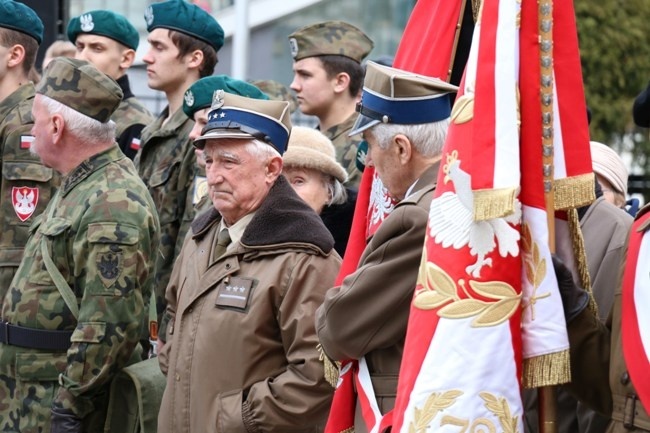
(361, 124)
(199, 142)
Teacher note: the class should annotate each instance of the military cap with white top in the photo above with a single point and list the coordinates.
(234, 116)
(391, 95)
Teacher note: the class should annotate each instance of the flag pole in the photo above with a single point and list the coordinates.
(547, 400)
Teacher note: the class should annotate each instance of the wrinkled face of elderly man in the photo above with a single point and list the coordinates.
(240, 173)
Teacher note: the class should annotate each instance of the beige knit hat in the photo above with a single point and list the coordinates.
(309, 148)
(606, 163)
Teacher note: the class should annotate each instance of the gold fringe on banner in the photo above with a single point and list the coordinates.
(547, 370)
(331, 368)
(494, 203)
(576, 191)
(578, 243)
(348, 430)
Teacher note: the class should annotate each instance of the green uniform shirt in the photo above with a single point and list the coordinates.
(25, 184)
(166, 164)
(101, 231)
(346, 148)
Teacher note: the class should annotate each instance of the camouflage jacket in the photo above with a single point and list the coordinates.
(25, 184)
(166, 164)
(346, 148)
(131, 117)
(101, 231)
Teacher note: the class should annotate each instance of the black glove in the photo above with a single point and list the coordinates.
(65, 421)
(574, 299)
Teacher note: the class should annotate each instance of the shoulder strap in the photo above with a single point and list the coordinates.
(61, 284)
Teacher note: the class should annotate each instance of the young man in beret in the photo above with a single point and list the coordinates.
(241, 354)
(183, 44)
(109, 41)
(404, 118)
(71, 318)
(25, 184)
(327, 80)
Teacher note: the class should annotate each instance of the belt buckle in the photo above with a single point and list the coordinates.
(5, 331)
(629, 411)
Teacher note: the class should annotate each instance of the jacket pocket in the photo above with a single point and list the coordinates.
(53, 230)
(165, 192)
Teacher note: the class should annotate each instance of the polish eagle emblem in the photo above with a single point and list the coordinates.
(24, 200)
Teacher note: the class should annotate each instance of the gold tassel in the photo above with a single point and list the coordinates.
(494, 203)
(572, 192)
(331, 368)
(348, 430)
(547, 370)
(578, 243)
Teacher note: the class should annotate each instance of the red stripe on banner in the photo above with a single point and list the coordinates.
(570, 90)
(483, 139)
(636, 361)
(427, 44)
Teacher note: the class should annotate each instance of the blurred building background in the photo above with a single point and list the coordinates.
(269, 23)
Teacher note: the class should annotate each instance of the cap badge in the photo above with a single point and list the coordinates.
(218, 99)
(148, 15)
(87, 24)
(189, 98)
(293, 45)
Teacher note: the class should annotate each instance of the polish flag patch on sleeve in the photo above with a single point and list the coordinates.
(135, 144)
(26, 141)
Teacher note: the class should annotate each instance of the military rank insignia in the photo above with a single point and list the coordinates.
(24, 200)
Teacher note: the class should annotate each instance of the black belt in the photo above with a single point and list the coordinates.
(34, 338)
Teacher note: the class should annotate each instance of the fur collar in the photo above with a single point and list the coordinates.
(283, 218)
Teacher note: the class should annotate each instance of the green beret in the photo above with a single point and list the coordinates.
(199, 95)
(104, 23)
(19, 17)
(186, 18)
(330, 38)
(80, 86)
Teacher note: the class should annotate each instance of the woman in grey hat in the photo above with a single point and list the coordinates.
(311, 168)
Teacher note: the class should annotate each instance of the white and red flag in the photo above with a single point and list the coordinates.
(486, 270)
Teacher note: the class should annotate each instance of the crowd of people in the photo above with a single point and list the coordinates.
(209, 237)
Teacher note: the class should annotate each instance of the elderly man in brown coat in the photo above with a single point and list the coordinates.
(404, 119)
(241, 352)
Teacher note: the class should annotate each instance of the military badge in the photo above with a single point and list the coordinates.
(189, 98)
(135, 144)
(218, 99)
(293, 46)
(148, 15)
(109, 265)
(87, 24)
(24, 200)
(26, 141)
(200, 188)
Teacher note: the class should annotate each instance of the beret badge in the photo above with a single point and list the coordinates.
(189, 98)
(87, 24)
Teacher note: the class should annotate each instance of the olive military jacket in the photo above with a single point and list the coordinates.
(241, 353)
(101, 232)
(25, 184)
(130, 118)
(346, 148)
(599, 374)
(166, 164)
(368, 314)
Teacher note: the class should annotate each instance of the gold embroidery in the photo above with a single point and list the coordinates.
(434, 404)
(463, 110)
(535, 267)
(438, 288)
(501, 409)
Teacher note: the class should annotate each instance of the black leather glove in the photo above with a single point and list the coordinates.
(65, 421)
(574, 299)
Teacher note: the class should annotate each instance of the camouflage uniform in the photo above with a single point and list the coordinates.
(19, 169)
(101, 231)
(346, 148)
(131, 117)
(166, 164)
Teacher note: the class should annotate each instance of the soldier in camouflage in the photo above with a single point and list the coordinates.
(25, 184)
(109, 41)
(327, 80)
(184, 41)
(71, 318)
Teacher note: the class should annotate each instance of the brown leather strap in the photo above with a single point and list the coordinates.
(630, 411)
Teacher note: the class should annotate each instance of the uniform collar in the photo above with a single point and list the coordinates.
(88, 167)
(26, 91)
(123, 82)
(342, 128)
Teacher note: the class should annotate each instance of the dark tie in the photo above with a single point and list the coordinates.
(223, 240)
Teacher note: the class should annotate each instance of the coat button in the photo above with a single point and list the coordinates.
(189, 310)
(227, 265)
(625, 378)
